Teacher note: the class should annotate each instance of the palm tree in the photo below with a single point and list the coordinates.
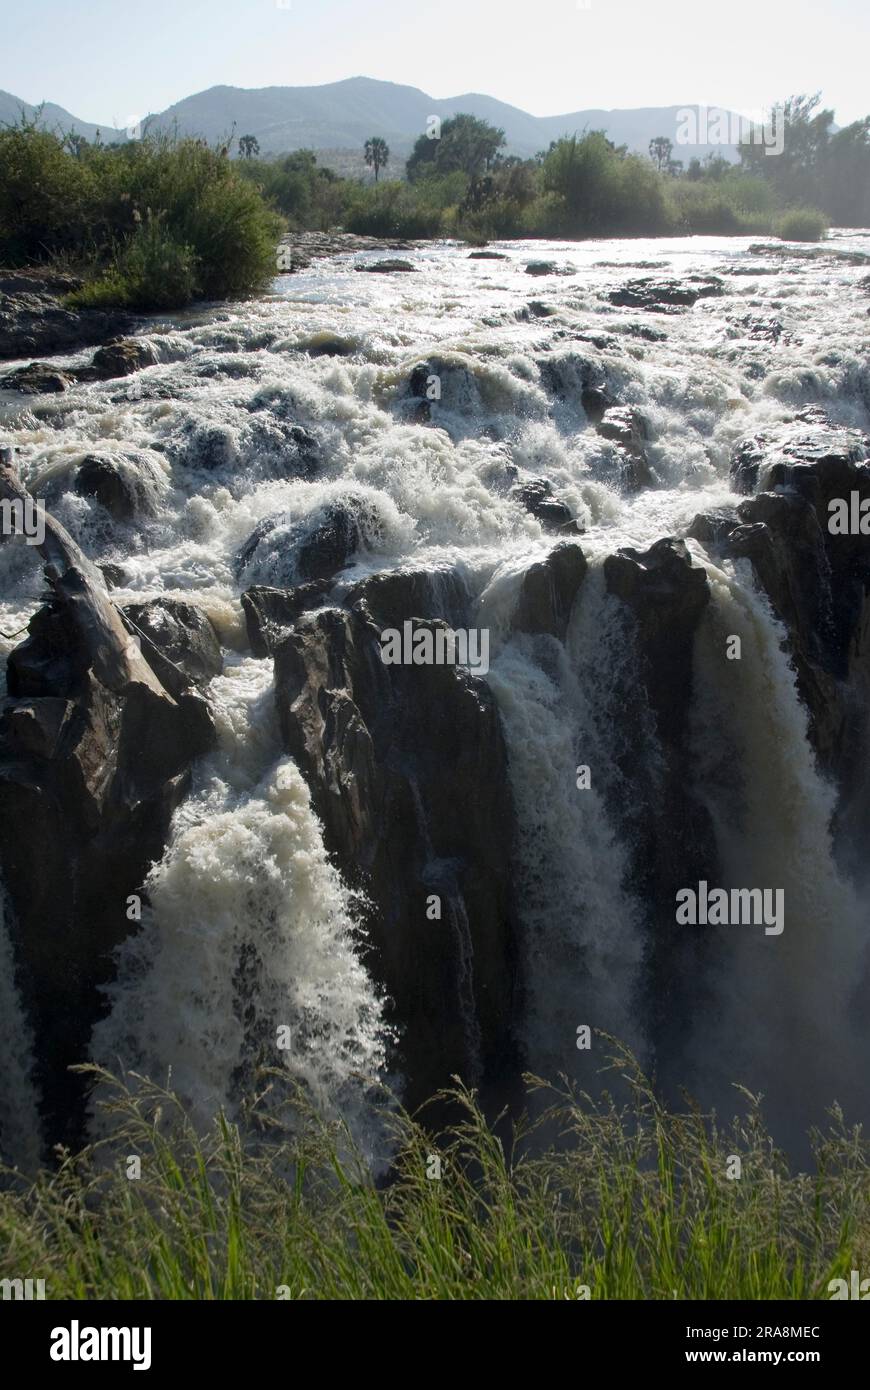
(249, 146)
(377, 154)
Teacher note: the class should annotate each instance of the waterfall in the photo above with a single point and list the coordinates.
(786, 1020)
(249, 931)
(581, 927)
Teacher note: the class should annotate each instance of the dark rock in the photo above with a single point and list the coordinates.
(665, 296)
(37, 378)
(664, 822)
(488, 256)
(95, 775)
(315, 548)
(122, 358)
(116, 484)
(114, 575)
(271, 613)
(550, 268)
(714, 528)
(627, 428)
(537, 498)
(388, 267)
(183, 634)
(33, 320)
(408, 772)
(548, 591)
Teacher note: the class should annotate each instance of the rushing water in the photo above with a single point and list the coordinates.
(250, 926)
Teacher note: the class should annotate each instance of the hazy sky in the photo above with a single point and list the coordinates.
(112, 60)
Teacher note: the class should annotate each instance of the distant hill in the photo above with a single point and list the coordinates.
(53, 118)
(340, 116)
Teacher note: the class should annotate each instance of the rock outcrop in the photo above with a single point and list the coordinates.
(96, 746)
(408, 771)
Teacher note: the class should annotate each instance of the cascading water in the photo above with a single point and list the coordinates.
(249, 955)
(249, 925)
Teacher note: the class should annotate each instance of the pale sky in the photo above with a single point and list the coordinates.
(109, 60)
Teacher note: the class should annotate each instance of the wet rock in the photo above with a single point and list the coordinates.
(271, 613)
(121, 358)
(388, 267)
(183, 635)
(550, 268)
(114, 575)
(316, 547)
(714, 528)
(36, 379)
(534, 310)
(536, 496)
(665, 296)
(664, 822)
(628, 429)
(393, 595)
(548, 591)
(34, 320)
(407, 767)
(576, 380)
(488, 256)
(328, 345)
(116, 484)
(775, 457)
(94, 772)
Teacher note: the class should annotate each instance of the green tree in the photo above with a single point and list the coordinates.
(377, 154)
(466, 144)
(249, 146)
(660, 151)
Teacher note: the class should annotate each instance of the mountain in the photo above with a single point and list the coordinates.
(340, 116)
(53, 118)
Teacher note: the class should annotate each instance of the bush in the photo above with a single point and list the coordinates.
(392, 210)
(47, 197)
(802, 224)
(159, 220)
(150, 271)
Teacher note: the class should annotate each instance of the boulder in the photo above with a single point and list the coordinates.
(388, 267)
(120, 358)
(316, 547)
(548, 591)
(536, 496)
(183, 634)
(121, 485)
(666, 296)
(36, 379)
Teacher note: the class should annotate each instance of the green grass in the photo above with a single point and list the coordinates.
(628, 1199)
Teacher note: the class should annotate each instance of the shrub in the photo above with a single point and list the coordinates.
(160, 220)
(150, 271)
(801, 224)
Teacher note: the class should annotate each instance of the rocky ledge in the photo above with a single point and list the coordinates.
(33, 318)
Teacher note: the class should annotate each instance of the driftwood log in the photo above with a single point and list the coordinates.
(115, 654)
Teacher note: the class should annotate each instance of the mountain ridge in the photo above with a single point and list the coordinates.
(340, 116)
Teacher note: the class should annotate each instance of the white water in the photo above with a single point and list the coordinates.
(249, 930)
(245, 905)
